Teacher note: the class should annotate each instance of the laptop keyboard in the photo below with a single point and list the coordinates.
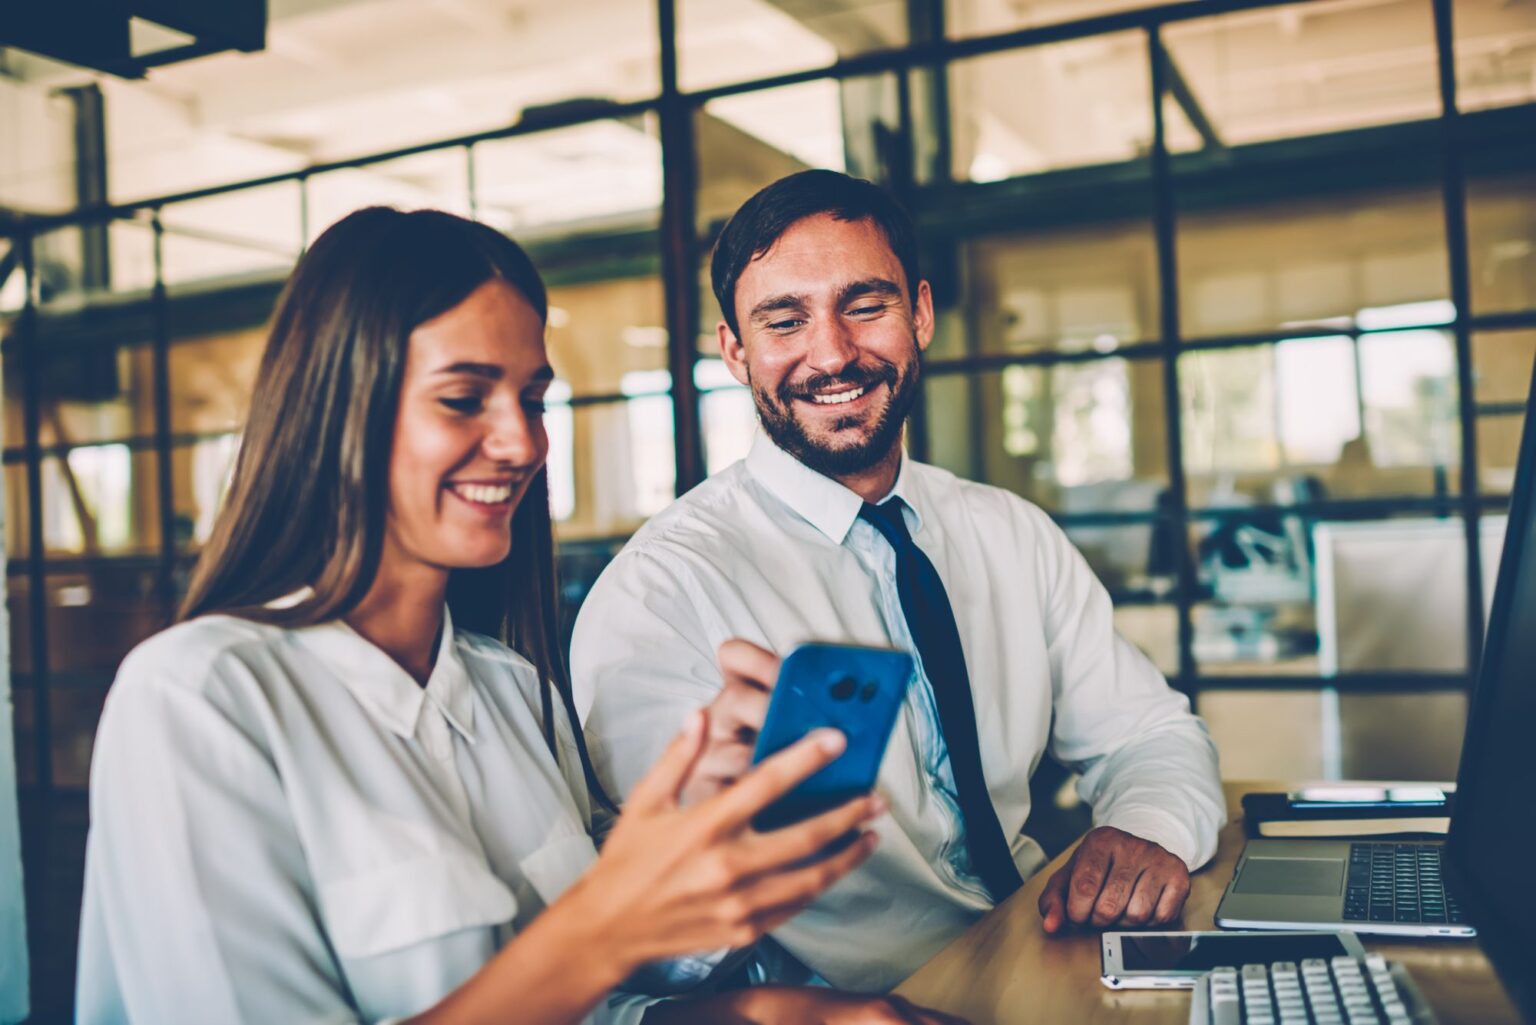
(1397, 882)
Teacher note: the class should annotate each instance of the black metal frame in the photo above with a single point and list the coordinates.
(679, 243)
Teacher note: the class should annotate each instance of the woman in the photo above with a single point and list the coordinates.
(321, 797)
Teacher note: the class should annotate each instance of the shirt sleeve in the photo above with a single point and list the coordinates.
(1148, 764)
(641, 660)
(196, 903)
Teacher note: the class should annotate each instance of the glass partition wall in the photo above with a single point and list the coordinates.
(1243, 293)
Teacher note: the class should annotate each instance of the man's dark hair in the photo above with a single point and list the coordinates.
(763, 220)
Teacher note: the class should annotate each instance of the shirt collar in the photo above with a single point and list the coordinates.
(819, 500)
(385, 690)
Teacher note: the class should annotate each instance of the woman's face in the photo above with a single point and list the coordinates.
(469, 436)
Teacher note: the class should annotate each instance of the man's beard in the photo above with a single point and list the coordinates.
(777, 413)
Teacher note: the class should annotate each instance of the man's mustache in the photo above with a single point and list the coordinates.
(855, 376)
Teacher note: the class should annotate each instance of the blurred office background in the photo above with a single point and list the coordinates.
(1243, 293)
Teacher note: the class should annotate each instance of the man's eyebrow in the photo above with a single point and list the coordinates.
(869, 286)
(789, 301)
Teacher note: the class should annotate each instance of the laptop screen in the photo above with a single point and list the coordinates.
(1493, 827)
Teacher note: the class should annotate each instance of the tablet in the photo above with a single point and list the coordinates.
(1175, 960)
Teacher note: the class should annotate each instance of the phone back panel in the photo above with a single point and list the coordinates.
(852, 689)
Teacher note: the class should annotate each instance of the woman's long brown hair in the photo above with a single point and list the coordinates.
(307, 504)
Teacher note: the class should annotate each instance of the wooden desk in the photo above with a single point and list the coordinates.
(1005, 971)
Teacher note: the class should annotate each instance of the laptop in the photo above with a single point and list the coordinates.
(1398, 888)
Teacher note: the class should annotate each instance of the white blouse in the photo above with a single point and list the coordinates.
(286, 827)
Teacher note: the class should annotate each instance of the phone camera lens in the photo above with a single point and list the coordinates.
(867, 692)
(843, 688)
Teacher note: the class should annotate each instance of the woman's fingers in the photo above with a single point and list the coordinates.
(775, 777)
(746, 663)
(659, 788)
(797, 842)
(772, 895)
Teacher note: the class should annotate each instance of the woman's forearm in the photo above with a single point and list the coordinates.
(552, 973)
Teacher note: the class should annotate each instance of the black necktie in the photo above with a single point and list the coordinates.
(931, 621)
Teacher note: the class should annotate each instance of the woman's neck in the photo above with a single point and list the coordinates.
(402, 615)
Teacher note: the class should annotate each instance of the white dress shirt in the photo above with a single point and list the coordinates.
(286, 827)
(774, 552)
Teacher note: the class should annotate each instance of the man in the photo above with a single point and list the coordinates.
(827, 531)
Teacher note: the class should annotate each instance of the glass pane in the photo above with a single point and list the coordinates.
(77, 264)
(746, 142)
(1502, 364)
(1270, 734)
(611, 465)
(1283, 423)
(1501, 242)
(101, 500)
(1495, 54)
(18, 607)
(212, 378)
(1152, 628)
(200, 474)
(723, 41)
(728, 415)
(1089, 103)
(1072, 289)
(74, 711)
(606, 174)
(1401, 736)
(437, 180)
(1316, 262)
(605, 336)
(1073, 438)
(1498, 452)
(89, 387)
(1308, 69)
(252, 233)
(985, 17)
(338, 81)
(1294, 594)
(18, 543)
(1136, 561)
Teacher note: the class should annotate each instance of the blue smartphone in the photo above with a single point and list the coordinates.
(853, 689)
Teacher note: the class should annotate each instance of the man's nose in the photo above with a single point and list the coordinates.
(832, 346)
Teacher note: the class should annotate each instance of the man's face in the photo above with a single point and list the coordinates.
(830, 343)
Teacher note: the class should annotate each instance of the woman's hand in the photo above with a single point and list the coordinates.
(674, 880)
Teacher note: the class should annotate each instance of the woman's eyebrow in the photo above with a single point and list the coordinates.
(489, 371)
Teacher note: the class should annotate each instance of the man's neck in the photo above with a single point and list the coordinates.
(876, 482)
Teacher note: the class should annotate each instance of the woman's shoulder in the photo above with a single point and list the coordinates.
(492, 656)
(190, 653)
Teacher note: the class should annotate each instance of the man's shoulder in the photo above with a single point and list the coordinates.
(973, 497)
(707, 517)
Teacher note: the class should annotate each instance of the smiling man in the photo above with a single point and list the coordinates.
(827, 531)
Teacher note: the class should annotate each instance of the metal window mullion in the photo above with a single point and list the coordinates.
(1453, 189)
(1164, 224)
(37, 584)
(165, 576)
(679, 254)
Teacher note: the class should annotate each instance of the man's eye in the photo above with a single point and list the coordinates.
(464, 404)
(865, 310)
(785, 325)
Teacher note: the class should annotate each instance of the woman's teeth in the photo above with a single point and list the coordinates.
(485, 494)
(838, 398)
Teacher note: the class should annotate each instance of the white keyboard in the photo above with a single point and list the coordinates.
(1343, 991)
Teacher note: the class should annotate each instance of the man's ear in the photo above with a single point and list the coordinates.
(733, 352)
(922, 315)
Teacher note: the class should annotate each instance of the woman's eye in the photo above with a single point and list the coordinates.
(535, 407)
(464, 404)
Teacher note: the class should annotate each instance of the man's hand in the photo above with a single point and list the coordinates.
(1114, 878)
(735, 718)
